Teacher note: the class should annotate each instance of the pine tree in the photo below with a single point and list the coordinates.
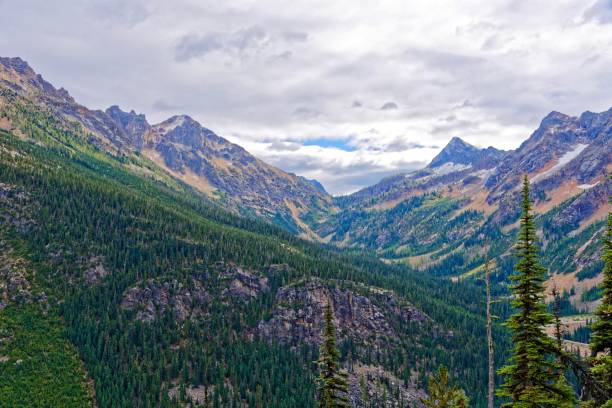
(491, 362)
(333, 385)
(442, 394)
(601, 339)
(531, 380)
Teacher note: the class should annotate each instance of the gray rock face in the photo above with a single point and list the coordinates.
(134, 125)
(152, 299)
(242, 283)
(366, 319)
(95, 272)
(581, 208)
(298, 315)
(371, 386)
(191, 300)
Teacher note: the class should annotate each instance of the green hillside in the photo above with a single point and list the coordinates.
(90, 229)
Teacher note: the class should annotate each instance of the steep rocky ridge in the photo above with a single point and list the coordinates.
(222, 171)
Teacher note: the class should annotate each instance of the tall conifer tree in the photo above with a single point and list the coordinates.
(333, 385)
(601, 339)
(531, 380)
(491, 362)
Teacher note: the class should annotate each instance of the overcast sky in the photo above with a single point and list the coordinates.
(346, 92)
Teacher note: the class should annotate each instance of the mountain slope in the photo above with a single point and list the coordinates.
(461, 209)
(186, 299)
(169, 299)
(220, 170)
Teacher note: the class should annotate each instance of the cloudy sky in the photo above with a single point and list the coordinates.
(344, 91)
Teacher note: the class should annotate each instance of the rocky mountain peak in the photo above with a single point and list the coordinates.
(22, 78)
(554, 118)
(594, 122)
(549, 127)
(18, 65)
(134, 125)
(185, 130)
(459, 152)
(456, 151)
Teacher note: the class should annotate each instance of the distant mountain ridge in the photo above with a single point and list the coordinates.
(222, 171)
(462, 208)
(436, 218)
(214, 165)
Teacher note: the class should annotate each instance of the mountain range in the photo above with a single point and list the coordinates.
(462, 209)
(222, 171)
(430, 219)
(162, 265)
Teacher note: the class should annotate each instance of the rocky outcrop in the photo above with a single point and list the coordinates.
(132, 124)
(95, 272)
(298, 315)
(241, 283)
(581, 208)
(152, 299)
(373, 386)
(367, 317)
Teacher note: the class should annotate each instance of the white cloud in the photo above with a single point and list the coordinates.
(271, 77)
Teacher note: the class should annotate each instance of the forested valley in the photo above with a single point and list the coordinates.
(122, 284)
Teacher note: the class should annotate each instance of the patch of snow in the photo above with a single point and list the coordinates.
(587, 186)
(170, 124)
(450, 167)
(484, 174)
(563, 160)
